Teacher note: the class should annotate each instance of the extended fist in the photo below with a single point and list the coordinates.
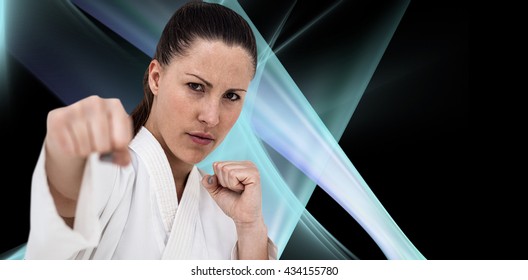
(90, 125)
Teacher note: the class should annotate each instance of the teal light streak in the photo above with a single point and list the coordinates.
(3, 66)
(305, 28)
(2, 26)
(282, 208)
(286, 121)
(16, 253)
(281, 26)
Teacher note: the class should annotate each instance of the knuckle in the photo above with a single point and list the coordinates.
(224, 169)
(115, 104)
(58, 119)
(94, 104)
(248, 163)
(93, 97)
(231, 173)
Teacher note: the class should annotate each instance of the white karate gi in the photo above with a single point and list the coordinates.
(132, 213)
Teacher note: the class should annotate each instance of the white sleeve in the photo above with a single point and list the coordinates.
(50, 237)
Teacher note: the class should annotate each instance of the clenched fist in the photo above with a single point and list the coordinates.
(236, 189)
(90, 125)
(74, 132)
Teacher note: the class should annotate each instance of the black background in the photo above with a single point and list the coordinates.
(410, 137)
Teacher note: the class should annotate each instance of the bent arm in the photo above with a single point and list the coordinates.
(75, 132)
(236, 188)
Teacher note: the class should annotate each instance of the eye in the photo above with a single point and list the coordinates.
(195, 86)
(232, 96)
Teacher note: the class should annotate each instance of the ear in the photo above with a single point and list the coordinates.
(154, 76)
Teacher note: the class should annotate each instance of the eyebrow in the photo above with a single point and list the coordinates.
(208, 84)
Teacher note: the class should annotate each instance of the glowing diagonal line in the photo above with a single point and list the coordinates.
(3, 70)
(305, 28)
(285, 120)
(281, 25)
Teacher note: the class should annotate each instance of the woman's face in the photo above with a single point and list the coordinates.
(198, 98)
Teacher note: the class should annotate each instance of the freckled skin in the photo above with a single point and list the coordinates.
(184, 103)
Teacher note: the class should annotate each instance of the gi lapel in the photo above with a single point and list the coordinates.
(183, 231)
(161, 179)
(179, 219)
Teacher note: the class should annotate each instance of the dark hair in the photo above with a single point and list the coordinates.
(194, 20)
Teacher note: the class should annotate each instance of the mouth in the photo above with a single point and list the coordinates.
(200, 138)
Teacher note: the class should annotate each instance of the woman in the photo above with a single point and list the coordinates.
(107, 186)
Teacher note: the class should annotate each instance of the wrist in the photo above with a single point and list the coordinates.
(252, 240)
(252, 227)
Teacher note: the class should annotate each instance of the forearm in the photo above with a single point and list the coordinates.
(64, 176)
(252, 241)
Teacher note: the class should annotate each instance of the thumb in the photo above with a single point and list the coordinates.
(119, 157)
(122, 157)
(210, 182)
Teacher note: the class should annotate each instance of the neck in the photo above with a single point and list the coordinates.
(180, 173)
(180, 170)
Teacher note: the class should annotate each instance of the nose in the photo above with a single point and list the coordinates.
(209, 112)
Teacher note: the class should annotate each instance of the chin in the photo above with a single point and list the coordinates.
(196, 158)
